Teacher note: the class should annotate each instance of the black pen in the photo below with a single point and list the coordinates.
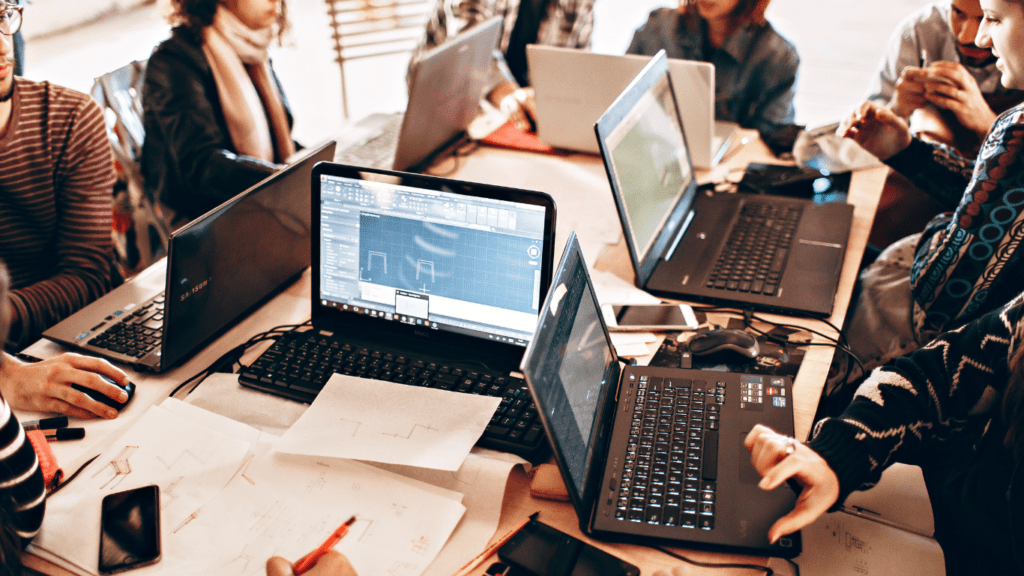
(66, 434)
(45, 423)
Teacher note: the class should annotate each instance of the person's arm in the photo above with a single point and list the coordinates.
(45, 386)
(82, 260)
(898, 414)
(974, 257)
(902, 51)
(180, 102)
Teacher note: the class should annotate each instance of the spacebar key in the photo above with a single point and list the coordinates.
(709, 471)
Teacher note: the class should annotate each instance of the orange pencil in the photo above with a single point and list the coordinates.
(310, 560)
(479, 558)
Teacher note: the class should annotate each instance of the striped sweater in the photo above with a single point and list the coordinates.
(21, 479)
(56, 184)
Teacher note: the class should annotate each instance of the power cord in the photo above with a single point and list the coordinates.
(228, 360)
(767, 571)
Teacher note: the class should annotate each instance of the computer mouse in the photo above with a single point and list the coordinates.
(723, 340)
(103, 398)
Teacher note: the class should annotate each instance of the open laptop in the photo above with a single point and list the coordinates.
(745, 250)
(423, 281)
(444, 97)
(574, 87)
(646, 452)
(218, 266)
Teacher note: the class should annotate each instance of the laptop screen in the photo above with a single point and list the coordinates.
(431, 258)
(571, 367)
(649, 160)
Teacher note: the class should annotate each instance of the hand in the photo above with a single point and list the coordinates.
(778, 458)
(516, 103)
(331, 564)
(46, 386)
(909, 95)
(951, 87)
(878, 129)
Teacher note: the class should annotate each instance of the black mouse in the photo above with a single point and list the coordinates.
(103, 398)
(722, 340)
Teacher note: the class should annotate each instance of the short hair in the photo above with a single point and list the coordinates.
(198, 14)
(746, 12)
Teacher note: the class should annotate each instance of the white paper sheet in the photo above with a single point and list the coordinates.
(189, 461)
(390, 423)
(286, 506)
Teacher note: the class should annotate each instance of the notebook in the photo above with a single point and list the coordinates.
(219, 266)
(574, 87)
(424, 281)
(652, 454)
(444, 97)
(744, 250)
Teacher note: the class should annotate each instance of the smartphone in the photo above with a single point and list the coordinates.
(130, 530)
(648, 317)
(543, 550)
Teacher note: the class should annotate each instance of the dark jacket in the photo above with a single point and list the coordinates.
(188, 160)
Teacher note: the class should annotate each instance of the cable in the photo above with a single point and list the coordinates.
(767, 571)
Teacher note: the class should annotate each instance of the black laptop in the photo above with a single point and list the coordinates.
(423, 281)
(652, 453)
(219, 266)
(770, 253)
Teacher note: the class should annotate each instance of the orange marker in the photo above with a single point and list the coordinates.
(310, 560)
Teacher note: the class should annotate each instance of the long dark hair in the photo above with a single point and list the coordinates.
(198, 14)
(746, 12)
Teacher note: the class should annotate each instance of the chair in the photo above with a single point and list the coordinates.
(141, 230)
(367, 28)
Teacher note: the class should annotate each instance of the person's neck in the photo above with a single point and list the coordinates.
(718, 31)
(5, 115)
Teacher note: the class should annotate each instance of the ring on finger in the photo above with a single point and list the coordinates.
(791, 445)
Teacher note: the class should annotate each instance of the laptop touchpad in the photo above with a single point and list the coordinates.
(748, 474)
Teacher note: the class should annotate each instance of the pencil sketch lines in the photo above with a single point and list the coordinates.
(421, 545)
(403, 569)
(183, 459)
(120, 466)
(245, 469)
(409, 435)
(320, 481)
(349, 423)
(185, 522)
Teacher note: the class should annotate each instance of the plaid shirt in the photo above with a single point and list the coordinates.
(569, 23)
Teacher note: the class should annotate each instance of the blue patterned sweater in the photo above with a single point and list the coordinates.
(968, 262)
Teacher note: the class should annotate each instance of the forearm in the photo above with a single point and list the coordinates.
(935, 169)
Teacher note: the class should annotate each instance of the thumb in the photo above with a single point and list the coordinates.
(277, 566)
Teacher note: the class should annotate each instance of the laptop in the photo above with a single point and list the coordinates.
(574, 87)
(423, 281)
(652, 453)
(444, 97)
(744, 250)
(218, 267)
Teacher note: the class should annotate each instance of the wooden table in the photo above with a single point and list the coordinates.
(580, 188)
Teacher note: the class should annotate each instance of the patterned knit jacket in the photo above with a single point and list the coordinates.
(969, 262)
(938, 405)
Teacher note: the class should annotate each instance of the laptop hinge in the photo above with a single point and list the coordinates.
(679, 237)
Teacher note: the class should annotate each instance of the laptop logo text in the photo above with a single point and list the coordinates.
(195, 289)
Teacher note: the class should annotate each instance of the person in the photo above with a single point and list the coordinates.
(755, 67)
(55, 191)
(332, 564)
(19, 51)
(216, 117)
(932, 64)
(564, 23)
(964, 263)
(954, 407)
(934, 76)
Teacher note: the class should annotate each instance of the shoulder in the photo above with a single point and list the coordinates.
(183, 46)
(666, 20)
(774, 46)
(55, 103)
(927, 20)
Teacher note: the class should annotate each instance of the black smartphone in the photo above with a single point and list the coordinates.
(543, 550)
(130, 530)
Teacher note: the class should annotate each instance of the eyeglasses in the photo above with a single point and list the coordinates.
(10, 18)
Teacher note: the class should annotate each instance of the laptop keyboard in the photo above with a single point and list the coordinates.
(375, 152)
(299, 364)
(137, 333)
(671, 461)
(755, 253)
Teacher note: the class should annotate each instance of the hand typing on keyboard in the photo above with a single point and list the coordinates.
(778, 458)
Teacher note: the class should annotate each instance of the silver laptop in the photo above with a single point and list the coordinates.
(574, 87)
(444, 97)
(218, 267)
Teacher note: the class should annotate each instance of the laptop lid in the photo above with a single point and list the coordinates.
(230, 259)
(573, 374)
(429, 261)
(444, 93)
(648, 163)
(575, 87)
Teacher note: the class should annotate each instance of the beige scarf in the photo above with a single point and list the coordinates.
(252, 105)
